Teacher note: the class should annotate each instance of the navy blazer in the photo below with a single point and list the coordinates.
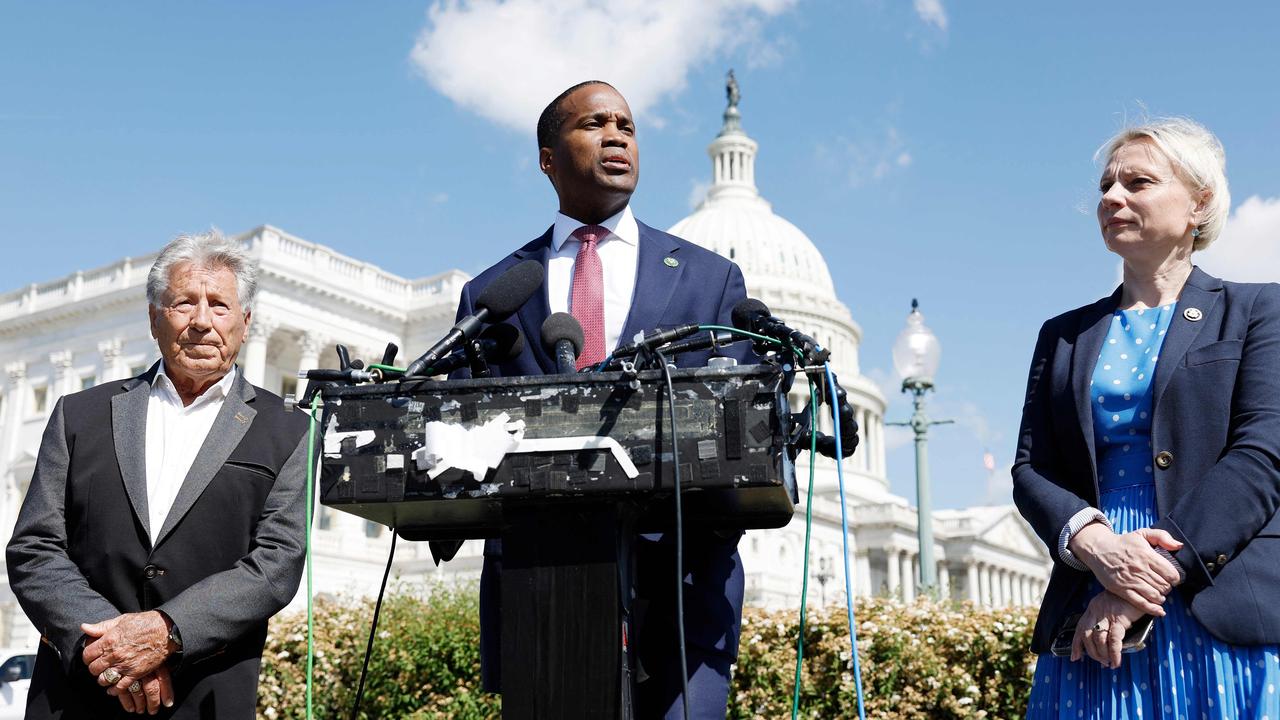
(698, 287)
(1216, 413)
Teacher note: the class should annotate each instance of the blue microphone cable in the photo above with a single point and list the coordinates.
(844, 530)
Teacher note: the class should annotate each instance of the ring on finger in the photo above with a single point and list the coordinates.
(110, 676)
(136, 687)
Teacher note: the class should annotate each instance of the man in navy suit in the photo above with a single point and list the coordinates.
(620, 277)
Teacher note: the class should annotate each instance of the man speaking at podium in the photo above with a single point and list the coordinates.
(618, 277)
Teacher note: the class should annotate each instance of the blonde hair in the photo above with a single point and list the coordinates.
(1197, 157)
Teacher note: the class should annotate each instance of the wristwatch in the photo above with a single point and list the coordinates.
(175, 637)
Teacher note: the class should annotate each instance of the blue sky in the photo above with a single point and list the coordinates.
(930, 149)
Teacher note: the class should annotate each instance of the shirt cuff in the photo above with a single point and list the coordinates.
(1078, 521)
(1182, 573)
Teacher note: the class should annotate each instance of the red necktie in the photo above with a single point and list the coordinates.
(587, 301)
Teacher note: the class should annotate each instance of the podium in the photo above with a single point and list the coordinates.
(576, 466)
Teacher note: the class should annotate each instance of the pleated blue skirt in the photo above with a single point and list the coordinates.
(1183, 674)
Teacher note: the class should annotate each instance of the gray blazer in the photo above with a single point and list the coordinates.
(228, 557)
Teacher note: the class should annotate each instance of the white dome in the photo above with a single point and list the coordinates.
(773, 253)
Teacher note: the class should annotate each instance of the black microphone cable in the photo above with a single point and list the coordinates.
(373, 629)
(675, 461)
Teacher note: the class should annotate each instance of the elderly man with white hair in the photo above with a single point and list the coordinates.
(165, 520)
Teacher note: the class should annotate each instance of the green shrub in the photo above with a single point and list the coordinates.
(924, 660)
(425, 662)
(936, 661)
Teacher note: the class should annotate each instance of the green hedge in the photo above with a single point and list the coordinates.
(924, 660)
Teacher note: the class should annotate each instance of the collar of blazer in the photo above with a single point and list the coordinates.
(1201, 291)
(656, 282)
(128, 430)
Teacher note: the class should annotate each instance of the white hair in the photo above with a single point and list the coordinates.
(204, 250)
(1198, 159)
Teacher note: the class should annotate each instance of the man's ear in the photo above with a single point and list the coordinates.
(546, 161)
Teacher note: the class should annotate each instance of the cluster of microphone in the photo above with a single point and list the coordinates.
(484, 338)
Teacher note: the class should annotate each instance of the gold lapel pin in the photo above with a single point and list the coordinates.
(1192, 314)
(241, 417)
(670, 262)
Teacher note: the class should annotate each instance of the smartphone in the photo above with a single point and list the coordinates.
(1135, 638)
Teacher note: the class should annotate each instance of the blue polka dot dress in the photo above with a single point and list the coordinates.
(1184, 673)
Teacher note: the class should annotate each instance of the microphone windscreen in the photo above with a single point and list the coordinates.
(747, 311)
(509, 290)
(508, 343)
(561, 326)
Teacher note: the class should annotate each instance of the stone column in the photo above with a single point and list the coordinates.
(892, 566)
(1006, 594)
(877, 435)
(60, 383)
(15, 393)
(944, 581)
(309, 346)
(984, 586)
(113, 367)
(971, 582)
(862, 574)
(864, 462)
(253, 356)
(908, 578)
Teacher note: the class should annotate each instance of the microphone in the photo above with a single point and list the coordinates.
(498, 344)
(352, 375)
(496, 302)
(661, 337)
(711, 339)
(752, 315)
(562, 338)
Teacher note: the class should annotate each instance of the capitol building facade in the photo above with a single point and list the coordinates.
(69, 334)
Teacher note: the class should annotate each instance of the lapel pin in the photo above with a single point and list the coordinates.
(242, 418)
(1192, 314)
(670, 262)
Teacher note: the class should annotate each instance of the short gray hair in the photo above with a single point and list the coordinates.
(1197, 157)
(206, 250)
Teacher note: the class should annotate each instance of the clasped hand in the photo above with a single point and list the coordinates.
(1101, 629)
(1127, 565)
(136, 645)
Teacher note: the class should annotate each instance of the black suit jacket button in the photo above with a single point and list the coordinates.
(1210, 566)
(1164, 459)
(1221, 559)
(150, 571)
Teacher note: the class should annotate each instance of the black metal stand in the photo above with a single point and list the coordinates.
(566, 611)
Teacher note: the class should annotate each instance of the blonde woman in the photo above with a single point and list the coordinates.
(1149, 460)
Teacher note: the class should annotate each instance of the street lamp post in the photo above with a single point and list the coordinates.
(916, 353)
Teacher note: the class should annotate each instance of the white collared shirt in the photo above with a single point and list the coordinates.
(175, 435)
(619, 255)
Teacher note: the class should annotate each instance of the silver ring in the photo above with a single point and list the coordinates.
(136, 687)
(111, 676)
(1097, 627)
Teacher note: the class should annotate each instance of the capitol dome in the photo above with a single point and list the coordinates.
(783, 269)
(736, 222)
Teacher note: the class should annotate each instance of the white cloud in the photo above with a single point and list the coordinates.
(1249, 249)
(932, 12)
(866, 158)
(505, 59)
